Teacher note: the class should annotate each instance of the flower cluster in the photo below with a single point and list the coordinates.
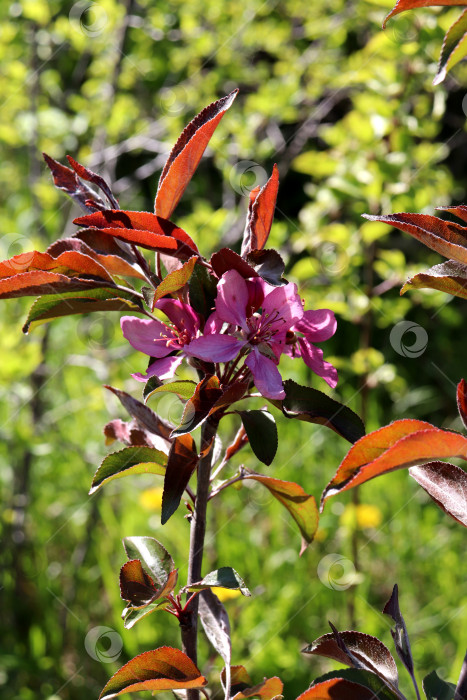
(253, 324)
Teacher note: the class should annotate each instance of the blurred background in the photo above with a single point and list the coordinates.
(349, 114)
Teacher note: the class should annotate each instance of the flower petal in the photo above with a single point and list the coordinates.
(313, 357)
(215, 347)
(213, 324)
(283, 306)
(147, 335)
(183, 316)
(163, 368)
(317, 325)
(267, 378)
(232, 299)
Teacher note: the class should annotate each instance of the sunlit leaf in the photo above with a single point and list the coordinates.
(400, 634)
(446, 484)
(225, 259)
(449, 277)
(445, 237)
(260, 214)
(38, 282)
(54, 306)
(372, 654)
(133, 615)
(402, 444)
(268, 689)
(454, 48)
(66, 179)
(197, 408)
(90, 176)
(301, 506)
(183, 388)
(136, 586)
(175, 281)
(349, 684)
(181, 463)
(162, 669)
(186, 154)
(71, 263)
(143, 414)
(403, 5)
(153, 555)
(116, 263)
(225, 577)
(127, 462)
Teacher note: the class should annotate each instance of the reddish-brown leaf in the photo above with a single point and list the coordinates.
(142, 228)
(225, 259)
(447, 486)
(67, 180)
(143, 414)
(460, 211)
(449, 277)
(260, 214)
(403, 5)
(198, 408)
(372, 654)
(239, 678)
(301, 506)
(71, 263)
(445, 237)
(88, 175)
(129, 433)
(267, 690)
(136, 586)
(337, 689)
(39, 282)
(175, 280)
(182, 461)
(462, 401)
(115, 264)
(186, 154)
(402, 444)
(162, 669)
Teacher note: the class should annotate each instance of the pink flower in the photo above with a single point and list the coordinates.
(161, 340)
(313, 327)
(260, 336)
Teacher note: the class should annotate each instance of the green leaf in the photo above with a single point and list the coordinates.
(162, 669)
(184, 389)
(131, 460)
(437, 689)
(175, 280)
(199, 405)
(449, 277)
(133, 615)
(225, 577)
(312, 406)
(261, 430)
(150, 552)
(57, 305)
(181, 463)
(454, 48)
(301, 506)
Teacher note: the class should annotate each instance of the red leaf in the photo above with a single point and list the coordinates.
(267, 690)
(186, 154)
(447, 486)
(182, 461)
(71, 263)
(114, 263)
(38, 282)
(142, 228)
(403, 5)
(136, 586)
(225, 259)
(162, 669)
(445, 237)
(460, 211)
(372, 654)
(404, 443)
(260, 215)
(462, 401)
(143, 414)
(90, 176)
(301, 506)
(337, 689)
(127, 432)
(65, 179)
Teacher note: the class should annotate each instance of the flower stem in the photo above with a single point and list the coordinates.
(189, 625)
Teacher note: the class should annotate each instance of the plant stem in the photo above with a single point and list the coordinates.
(189, 626)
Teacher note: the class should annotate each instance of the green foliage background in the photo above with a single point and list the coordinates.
(349, 114)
